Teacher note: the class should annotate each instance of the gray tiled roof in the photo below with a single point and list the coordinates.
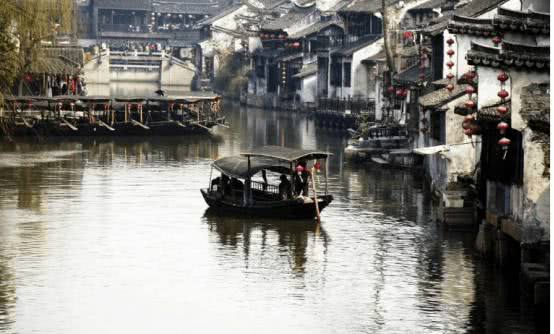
(442, 96)
(472, 9)
(316, 27)
(411, 75)
(366, 6)
(307, 70)
(295, 15)
(221, 14)
(124, 4)
(349, 49)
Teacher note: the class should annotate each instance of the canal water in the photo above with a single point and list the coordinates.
(112, 236)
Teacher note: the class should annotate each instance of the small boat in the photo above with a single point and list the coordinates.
(245, 186)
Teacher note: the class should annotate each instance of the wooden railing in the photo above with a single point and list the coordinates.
(347, 105)
(269, 188)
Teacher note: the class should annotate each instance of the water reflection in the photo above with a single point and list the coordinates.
(113, 234)
(290, 238)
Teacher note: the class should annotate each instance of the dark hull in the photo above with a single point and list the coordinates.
(273, 209)
(121, 129)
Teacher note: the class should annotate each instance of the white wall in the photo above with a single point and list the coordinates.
(359, 71)
(308, 88)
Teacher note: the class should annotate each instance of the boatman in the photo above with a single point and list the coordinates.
(285, 188)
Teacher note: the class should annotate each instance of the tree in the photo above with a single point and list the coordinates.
(25, 25)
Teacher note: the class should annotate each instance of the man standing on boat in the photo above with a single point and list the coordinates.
(301, 179)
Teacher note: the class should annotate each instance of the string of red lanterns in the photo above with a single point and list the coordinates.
(469, 125)
(502, 109)
(450, 53)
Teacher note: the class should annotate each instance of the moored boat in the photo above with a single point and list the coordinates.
(246, 183)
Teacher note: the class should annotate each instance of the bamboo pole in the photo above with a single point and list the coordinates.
(315, 197)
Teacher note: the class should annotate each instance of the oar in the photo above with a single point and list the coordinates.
(315, 197)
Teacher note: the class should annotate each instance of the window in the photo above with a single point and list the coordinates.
(260, 67)
(347, 74)
(336, 73)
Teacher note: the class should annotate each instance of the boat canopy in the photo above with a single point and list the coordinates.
(238, 166)
(285, 153)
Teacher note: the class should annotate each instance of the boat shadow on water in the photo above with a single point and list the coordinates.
(256, 235)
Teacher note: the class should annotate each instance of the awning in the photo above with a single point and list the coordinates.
(431, 149)
(286, 153)
(238, 166)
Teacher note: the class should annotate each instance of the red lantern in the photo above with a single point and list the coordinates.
(503, 94)
(466, 125)
(404, 92)
(469, 118)
(399, 92)
(468, 132)
(502, 77)
(272, 35)
(28, 78)
(450, 64)
(450, 41)
(450, 87)
(282, 36)
(317, 165)
(390, 89)
(299, 169)
(408, 34)
(497, 40)
(503, 110)
(502, 127)
(470, 104)
(470, 90)
(296, 45)
(470, 75)
(450, 76)
(504, 142)
(450, 52)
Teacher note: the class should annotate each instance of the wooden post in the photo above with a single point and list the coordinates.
(315, 196)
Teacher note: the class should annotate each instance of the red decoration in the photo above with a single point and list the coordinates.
(296, 45)
(450, 76)
(470, 75)
(502, 77)
(504, 142)
(408, 34)
(503, 94)
(282, 36)
(469, 118)
(470, 104)
(450, 64)
(28, 77)
(450, 41)
(502, 127)
(299, 169)
(468, 132)
(466, 125)
(470, 90)
(390, 89)
(502, 110)
(399, 92)
(450, 87)
(450, 52)
(497, 40)
(317, 165)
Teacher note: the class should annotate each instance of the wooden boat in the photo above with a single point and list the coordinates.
(67, 115)
(243, 194)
